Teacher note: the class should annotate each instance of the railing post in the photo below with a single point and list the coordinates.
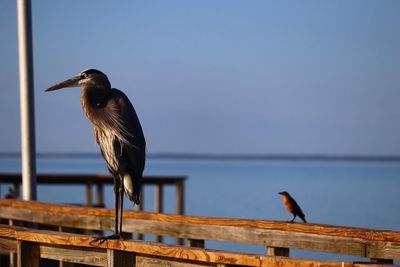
(119, 258)
(197, 243)
(100, 195)
(180, 198)
(89, 194)
(140, 207)
(180, 203)
(13, 256)
(28, 254)
(158, 203)
(277, 251)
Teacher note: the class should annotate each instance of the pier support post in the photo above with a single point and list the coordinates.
(28, 254)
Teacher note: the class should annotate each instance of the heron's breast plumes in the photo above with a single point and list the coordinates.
(105, 114)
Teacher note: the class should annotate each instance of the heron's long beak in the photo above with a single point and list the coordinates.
(73, 82)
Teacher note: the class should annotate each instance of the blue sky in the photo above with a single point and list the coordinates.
(232, 77)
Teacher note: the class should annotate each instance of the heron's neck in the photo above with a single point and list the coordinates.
(93, 99)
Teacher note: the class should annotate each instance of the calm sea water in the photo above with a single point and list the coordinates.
(339, 193)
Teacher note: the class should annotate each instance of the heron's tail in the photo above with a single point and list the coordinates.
(132, 193)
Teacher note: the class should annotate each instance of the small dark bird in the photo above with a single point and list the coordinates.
(292, 206)
(12, 193)
(118, 132)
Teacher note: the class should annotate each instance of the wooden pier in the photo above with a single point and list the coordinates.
(30, 245)
(98, 181)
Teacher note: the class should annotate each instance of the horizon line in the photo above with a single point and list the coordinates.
(226, 156)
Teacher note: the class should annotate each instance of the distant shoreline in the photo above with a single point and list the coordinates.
(250, 157)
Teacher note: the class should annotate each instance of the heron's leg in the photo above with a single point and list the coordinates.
(121, 203)
(117, 194)
(294, 217)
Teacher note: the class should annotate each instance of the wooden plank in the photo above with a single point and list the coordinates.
(7, 245)
(289, 262)
(197, 256)
(149, 248)
(118, 258)
(143, 261)
(63, 218)
(248, 235)
(380, 250)
(91, 256)
(94, 178)
(329, 230)
(369, 264)
(169, 252)
(344, 240)
(28, 254)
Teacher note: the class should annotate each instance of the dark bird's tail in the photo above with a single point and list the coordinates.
(303, 217)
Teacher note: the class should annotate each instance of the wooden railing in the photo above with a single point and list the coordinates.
(33, 245)
(99, 180)
(278, 237)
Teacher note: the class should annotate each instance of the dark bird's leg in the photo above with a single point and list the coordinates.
(294, 217)
(117, 193)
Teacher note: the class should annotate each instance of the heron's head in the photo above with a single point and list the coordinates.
(90, 77)
(284, 193)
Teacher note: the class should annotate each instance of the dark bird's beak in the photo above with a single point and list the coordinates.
(280, 193)
(73, 82)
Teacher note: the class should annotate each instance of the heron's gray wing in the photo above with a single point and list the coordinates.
(133, 145)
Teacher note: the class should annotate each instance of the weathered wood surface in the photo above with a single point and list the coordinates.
(325, 238)
(7, 245)
(142, 261)
(92, 256)
(50, 240)
(48, 243)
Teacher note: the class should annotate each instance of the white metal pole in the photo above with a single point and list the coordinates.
(28, 150)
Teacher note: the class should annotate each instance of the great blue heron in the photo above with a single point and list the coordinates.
(292, 206)
(118, 132)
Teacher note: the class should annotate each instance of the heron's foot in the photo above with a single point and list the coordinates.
(101, 239)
